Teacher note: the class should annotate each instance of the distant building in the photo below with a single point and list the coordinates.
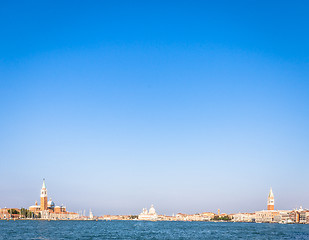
(269, 215)
(284, 216)
(243, 217)
(90, 215)
(266, 216)
(48, 210)
(166, 218)
(303, 215)
(181, 217)
(299, 216)
(207, 216)
(150, 215)
(271, 200)
(43, 197)
(307, 217)
(281, 216)
(4, 213)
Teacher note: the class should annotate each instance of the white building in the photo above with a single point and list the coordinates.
(150, 215)
(266, 216)
(90, 215)
(244, 217)
(283, 217)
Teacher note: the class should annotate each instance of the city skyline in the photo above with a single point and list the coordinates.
(191, 107)
(48, 210)
(49, 207)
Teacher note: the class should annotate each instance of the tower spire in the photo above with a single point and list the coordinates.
(271, 194)
(271, 200)
(43, 196)
(43, 186)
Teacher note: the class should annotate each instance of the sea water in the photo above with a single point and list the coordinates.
(24, 229)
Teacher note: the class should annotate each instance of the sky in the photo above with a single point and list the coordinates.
(188, 105)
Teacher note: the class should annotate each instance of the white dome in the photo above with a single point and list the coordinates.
(152, 210)
(50, 203)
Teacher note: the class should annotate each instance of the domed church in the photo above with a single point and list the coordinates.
(49, 210)
(150, 215)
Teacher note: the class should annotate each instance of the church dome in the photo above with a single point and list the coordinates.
(51, 204)
(152, 210)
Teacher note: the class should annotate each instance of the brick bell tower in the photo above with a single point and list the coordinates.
(43, 196)
(271, 200)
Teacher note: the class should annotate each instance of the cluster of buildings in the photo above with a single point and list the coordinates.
(275, 216)
(46, 210)
(50, 211)
(206, 216)
(265, 216)
(150, 215)
(9, 213)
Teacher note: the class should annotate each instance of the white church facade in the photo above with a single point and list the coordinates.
(150, 215)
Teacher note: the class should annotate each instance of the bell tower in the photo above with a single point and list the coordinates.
(271, 200)
(43, 196)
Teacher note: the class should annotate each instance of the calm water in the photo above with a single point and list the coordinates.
(148, 230)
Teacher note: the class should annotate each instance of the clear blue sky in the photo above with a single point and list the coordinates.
(189, 105)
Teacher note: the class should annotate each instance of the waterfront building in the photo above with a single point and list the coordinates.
(284, 216)
(181, 217)
(150, 215)
(299, 216)
(303, 216)
(243, 217)
(9, 213)
(4, 214)
(307, 217)
(116, 217)
(207, 216)
(294, 216)
(35, 208)
(189, 217)
(195, 217)
(48, 209)
(166, 218)
(90, 215)
(281, 216)
(270, 214)
(266, 216)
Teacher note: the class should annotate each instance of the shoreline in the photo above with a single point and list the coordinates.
(103, 220)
